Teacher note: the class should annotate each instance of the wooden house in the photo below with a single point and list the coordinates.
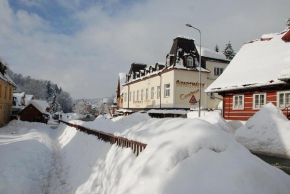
(36, 111)
(258, 74)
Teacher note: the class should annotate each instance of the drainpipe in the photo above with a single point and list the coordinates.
(129, 96)
(160, 88)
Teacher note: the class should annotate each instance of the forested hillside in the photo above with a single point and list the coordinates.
(43, 90)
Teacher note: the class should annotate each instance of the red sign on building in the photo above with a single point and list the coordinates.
(192, 100)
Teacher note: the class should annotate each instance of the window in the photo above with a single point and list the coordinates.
(5, 94)
(259, 101)
(141, 94)
(157, 68)
(238, 102)
(168, 61)
(152, 93)
(218, 71)
(147, 94)
(130, 97)
(167, 90)
(212, 96)
(158, 92)
(284, 99)
(133, 96)
(190, 61)
(137, 95)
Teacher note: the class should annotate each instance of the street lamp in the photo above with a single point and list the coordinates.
(190, 26)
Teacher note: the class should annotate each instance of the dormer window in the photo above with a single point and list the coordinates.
(150, 70)
(168, 61)
(189, 61)
(157, 68)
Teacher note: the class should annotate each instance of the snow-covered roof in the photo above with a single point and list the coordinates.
(258, 63)
(19, 97)
(206, 52)
(28, 98)
(41, 105)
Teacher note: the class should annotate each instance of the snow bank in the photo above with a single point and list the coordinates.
(118, 124)
(182, 156)
(268, 132)
(22, 127)
(216, 119)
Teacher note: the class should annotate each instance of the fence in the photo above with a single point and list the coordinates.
(137, 147)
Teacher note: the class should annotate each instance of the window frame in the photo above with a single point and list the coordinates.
(166, 89)
(284, 99)
(158, 92)
(190, 59)
(254, 100)
(243, 102)
(218, 71)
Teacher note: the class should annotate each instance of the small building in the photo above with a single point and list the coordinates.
(174, 84)
(6, 90)
(258, 74)
(36, 111)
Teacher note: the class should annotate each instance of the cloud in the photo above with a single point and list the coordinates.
(111, 36)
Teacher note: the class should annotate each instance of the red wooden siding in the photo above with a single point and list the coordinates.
(248, 110)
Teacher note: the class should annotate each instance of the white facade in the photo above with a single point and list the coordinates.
(177, 88)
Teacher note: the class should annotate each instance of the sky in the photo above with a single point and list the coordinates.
(82, 45)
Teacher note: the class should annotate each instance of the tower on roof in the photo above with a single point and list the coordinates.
(183, 52)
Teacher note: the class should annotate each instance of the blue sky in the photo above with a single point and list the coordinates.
(82, 45)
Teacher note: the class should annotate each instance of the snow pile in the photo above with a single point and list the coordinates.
(173, 111)
(25, 159)
(216, 119)
(179, 159)
(118, 124)
(268, 132)
(21, 127)
(131, 120)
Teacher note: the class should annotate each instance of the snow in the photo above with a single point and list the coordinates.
(206, 52)
(216, 119)
(41, 105)
(173, 111)
(268, 132)
(182, 156)
(185, 37)
(256, 64)
(28, 98)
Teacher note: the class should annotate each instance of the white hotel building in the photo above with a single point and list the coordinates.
(172, 85)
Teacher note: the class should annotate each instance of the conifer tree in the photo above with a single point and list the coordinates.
(49, 91)
(288, 23)
(229, 51)
(54, 105)
(216, 48)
